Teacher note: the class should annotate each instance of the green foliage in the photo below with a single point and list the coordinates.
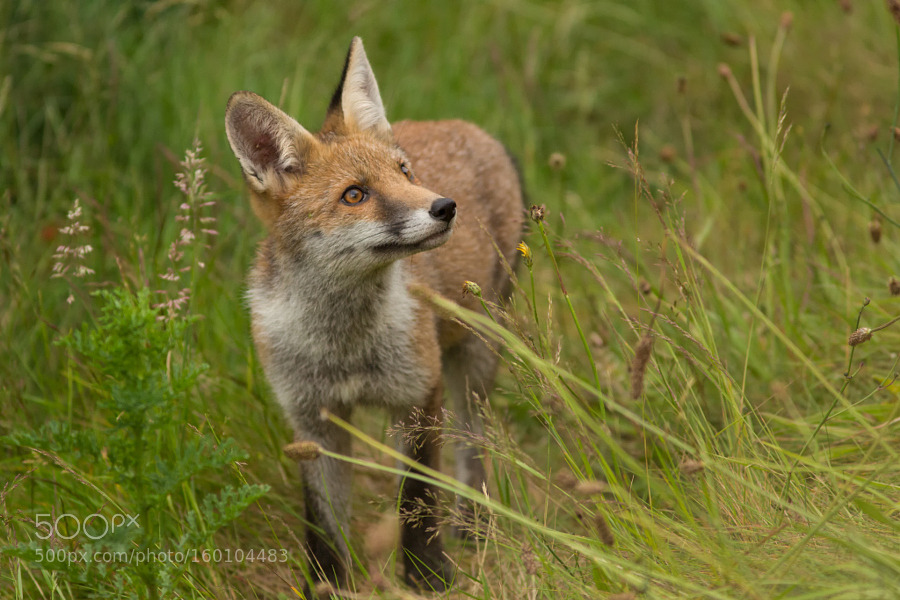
(137, 454)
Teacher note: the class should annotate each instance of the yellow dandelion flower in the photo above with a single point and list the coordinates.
(526, 254)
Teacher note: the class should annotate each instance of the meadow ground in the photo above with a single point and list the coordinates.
(679, 412)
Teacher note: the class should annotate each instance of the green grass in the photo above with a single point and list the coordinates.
(759, 458)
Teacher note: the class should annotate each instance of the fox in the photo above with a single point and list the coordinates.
(358, 215)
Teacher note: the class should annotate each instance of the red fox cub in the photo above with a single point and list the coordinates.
(356, 214)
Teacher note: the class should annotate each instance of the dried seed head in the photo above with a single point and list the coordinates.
(896, 132)
(557, 161)
(565, 480)
(470, 287)
(875, 229)
(690, 466)
(860, 336)
(846, 6)
(681, 84)
(724, 71)
(591, 487)
(787, 19)
(529, 560)
(730, 38)
(894, 8)
(870, 133)
(596, 340)
(604, 532)
(538, 213)
(645, 287)
(894, 286)
(639, 365)
(303, 451)
(667, 153)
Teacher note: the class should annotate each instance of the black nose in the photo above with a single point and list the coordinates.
(443, 209)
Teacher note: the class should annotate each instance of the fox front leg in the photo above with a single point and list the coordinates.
(326, 490)
(424, 562)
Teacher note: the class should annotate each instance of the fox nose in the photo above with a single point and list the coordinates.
(443, 209)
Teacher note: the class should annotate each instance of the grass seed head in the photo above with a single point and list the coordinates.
(604, 532)
(690, 466)
(303, 451)
(565, 480)
(591, 487)
(639, 365)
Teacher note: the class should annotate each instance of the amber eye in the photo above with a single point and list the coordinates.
(353, 195)
(404, 168)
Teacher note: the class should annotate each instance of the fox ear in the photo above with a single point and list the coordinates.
(267, 142)
(357, 99)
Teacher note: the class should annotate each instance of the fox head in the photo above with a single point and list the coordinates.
(347, 197)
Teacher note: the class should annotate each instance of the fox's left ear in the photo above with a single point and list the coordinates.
(356, 105)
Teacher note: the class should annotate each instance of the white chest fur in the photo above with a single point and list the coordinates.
(328, 345)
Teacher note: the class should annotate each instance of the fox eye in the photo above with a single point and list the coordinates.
(404, 168)
(354, 195)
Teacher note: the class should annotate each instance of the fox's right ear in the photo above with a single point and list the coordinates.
(268, 143)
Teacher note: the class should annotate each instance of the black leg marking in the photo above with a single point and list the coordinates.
(420, 538)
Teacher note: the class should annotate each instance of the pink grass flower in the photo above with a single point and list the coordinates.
(184, 252)
(70, 257)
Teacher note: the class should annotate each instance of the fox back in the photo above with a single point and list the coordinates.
(356, 214)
